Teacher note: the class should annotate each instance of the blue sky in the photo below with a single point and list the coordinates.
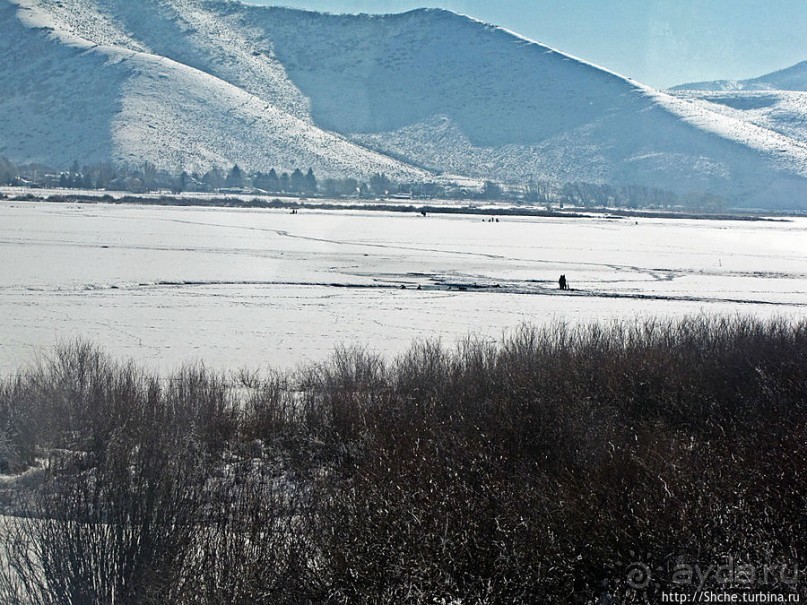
(659, 42)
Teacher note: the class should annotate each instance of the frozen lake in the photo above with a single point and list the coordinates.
(238, 287)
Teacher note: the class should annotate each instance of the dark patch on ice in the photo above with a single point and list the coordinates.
(435, 284)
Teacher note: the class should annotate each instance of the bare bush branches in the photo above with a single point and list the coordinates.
(533, 470)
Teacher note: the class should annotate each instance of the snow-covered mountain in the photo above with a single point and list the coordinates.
(78, 83)
(790, 78)
(781, 111)
(775, 101)
(192, 83)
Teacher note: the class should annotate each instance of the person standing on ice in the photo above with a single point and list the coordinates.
(562, 282)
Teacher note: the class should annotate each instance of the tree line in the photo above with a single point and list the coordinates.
(147, 177)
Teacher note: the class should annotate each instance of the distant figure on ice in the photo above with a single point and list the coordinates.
(562, 283)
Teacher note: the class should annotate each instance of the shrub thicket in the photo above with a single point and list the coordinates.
(551, 467)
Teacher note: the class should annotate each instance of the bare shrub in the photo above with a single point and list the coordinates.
(532, 470)
(113, 523)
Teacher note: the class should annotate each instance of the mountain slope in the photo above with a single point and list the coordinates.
(192, 83)
(78, 86)
(780, 111)
(775, 101)
(451, 93)
(790, 78)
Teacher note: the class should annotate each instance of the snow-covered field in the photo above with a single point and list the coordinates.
(253, 288)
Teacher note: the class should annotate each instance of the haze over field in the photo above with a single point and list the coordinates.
(188, 84)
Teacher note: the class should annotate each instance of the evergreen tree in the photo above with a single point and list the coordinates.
(285, 182)
(267, 181)
(213, 178)
(310, 182)
(297, 181)
(273, 181)
(330, 187)
(259, 180)
(350, 186)
(235, 178)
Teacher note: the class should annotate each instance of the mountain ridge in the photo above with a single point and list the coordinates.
(776, 101)
(187, 84)
(155, 109)
(793, 78)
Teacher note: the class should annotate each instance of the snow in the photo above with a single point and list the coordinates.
(237, 287)
(72, 98)
(775, 102)
(450, 93)
(193, 83)
(783, 112)
(790, 78)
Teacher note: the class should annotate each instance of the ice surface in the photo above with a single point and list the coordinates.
(255, 287)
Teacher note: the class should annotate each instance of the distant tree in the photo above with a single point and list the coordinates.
(380, 184)
(310, 182)
(708, 202)
(213, 178)
(149, 174)
(638, 196)
(8, 172)
(73, 176)
(267, 181)
(570, 193)
(297, 181)
(235, 178)
(428, 190)
(330, 187)
(285, 182)
(341, 187)
(86, 178)
(181, 182)
(491, 191)
(350, 186)
(273, 180)
(104, 174)
(537, 191)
